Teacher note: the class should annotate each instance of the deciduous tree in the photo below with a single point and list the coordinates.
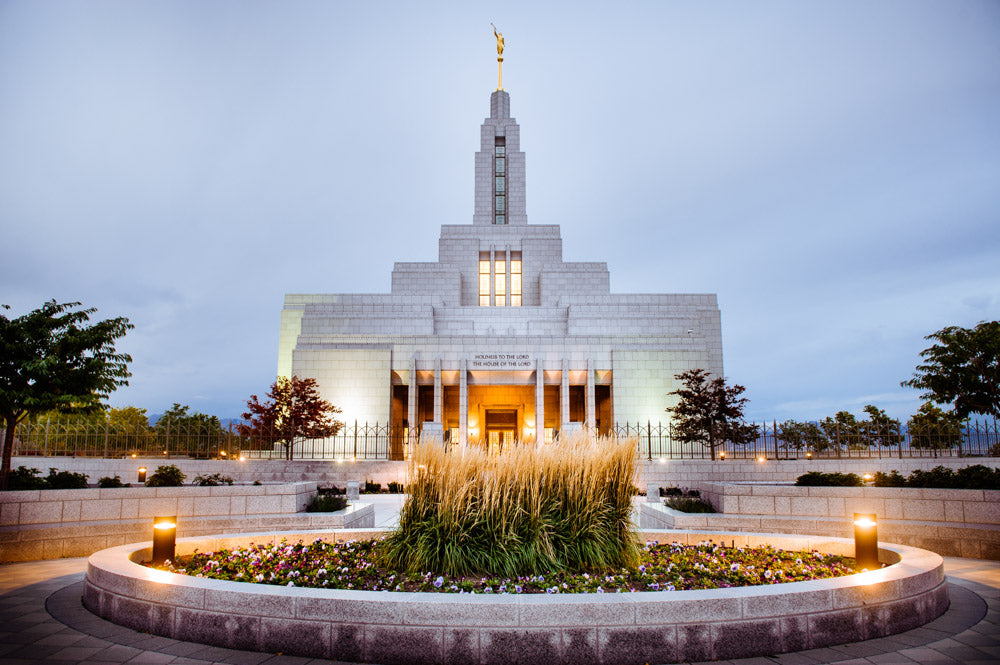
(51, 358)
(934, 429)
(962, 369)
(709, 411)
(293, 410)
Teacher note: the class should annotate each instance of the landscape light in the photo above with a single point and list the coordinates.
(809, 455)
(868, 477)
(142, 474)
(761, 459)
(164, 539)
(866, 541)
(222, 453)
(242, 458)
(722, 455)
(134, 455)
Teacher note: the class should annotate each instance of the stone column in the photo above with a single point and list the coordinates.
(438, 396)
(539, 401)
(591, 396)
(463, 402)
(411, 407)
(564, 395)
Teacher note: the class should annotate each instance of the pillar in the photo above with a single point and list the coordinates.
(539, 401)
(411, 407)
(591, 397)
(564, 395)
(463, 402)
(438, 393)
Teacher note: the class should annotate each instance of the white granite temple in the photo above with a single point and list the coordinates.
(500, 338)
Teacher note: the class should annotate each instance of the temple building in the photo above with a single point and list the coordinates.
(500, 339)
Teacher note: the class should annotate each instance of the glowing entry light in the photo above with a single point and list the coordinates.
(164, 538)
(866, 541)
(142, 474)
(722, 455)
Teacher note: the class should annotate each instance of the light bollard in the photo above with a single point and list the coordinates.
(164, 539)
(866, 541)
(142, 474)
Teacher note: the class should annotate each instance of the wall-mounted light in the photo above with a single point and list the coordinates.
(142, 474)
(866, 541)
(164, 539)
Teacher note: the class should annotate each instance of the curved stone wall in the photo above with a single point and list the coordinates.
(387, 628)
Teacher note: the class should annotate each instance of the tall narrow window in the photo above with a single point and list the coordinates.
(484, 283)
(501, 283)
(500, 181)
(515, 280)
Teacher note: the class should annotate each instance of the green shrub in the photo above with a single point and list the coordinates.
(395, 488)
(565, 506)
(112, 482)
(257, 483)
(978, 477)
(892, 479)
(326, 503)
(212, 480)
(820, 479)
(331, 490)
(671, 491)
(689, 505)
(23, 478)
(371, 487)
(66, 480)
(167, 475)
(939, 476)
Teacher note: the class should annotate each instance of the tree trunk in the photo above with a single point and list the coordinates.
(10, 426)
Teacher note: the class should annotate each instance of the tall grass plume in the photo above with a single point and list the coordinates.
(530, 510)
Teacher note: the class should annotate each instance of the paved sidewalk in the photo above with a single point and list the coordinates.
(43, 621)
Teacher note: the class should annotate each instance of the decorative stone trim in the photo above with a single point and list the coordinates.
(387, 628)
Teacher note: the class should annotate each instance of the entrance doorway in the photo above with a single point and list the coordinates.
(501, 429)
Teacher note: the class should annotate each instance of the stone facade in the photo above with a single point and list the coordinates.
(500, 338)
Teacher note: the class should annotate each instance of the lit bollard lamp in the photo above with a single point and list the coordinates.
(164, 539)
(142, 474)
(866, 541)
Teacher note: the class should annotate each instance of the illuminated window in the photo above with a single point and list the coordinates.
(515, 282)
(500, 283)
(484, 283)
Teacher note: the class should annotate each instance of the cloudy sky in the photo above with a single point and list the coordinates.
(830, 170)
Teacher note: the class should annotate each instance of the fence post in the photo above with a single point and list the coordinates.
(774, 433)
(649, 439)
(355, 438)
(166, 442)
(107, 433)
(45, 448)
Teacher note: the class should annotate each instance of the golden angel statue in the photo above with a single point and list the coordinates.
(499, 36)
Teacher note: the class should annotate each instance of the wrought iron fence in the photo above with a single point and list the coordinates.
(825, 441)
(366, 441)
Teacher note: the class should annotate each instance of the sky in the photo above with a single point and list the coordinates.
(830, 170)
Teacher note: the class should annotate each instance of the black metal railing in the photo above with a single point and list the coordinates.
(367, 441)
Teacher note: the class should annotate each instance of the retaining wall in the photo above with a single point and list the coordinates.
(391, 628)
(50, 524)
(683, 473)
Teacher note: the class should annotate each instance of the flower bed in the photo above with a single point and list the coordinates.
(661, 568)
(621, 628)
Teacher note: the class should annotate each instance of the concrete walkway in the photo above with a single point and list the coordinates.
(43, 621)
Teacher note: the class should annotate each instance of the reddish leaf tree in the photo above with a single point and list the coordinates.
(294, 410)
(710, 412)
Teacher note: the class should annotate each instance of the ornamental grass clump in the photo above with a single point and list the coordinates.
(533, 509)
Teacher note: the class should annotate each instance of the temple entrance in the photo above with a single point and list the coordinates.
(501, 429)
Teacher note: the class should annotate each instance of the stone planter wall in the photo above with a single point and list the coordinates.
(682, 473)
(391, 628)
(50, 524)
